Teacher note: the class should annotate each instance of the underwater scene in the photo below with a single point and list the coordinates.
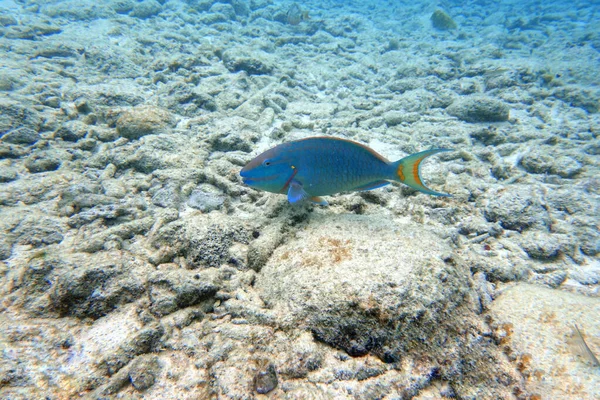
(278, 199)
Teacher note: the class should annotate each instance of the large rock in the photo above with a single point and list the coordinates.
(368, 286)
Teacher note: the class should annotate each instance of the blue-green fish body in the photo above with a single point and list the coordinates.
(318, 166)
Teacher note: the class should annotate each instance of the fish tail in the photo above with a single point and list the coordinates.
(407, 171)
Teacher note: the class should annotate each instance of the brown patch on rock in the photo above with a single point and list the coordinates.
(143, 120)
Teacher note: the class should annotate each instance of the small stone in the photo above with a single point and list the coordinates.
(7, 174)
(393, 118)
(23, 135)
(263, 246)
(122, 6)
(39, 163)
(12, 151)
(250, 63)
(442, 21)
(5, 249)
(146, 9)
(144, 120)
(266, 380)
(553, 279)
(52, 101)
(143, 372)
(226, 9)
(167, 197)
(516, 209)
(170, 291)
(38, 231)
(540, 246)
(7, 20)
(72, 131)
(205, 200)
(541, 162)
(479, 109)
(489, 136)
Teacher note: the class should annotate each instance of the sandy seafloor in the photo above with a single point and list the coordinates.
(135, 263)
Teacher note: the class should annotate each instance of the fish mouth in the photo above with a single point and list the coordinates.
(249, 180)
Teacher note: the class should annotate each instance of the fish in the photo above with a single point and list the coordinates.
(318, 166)
(585, 350)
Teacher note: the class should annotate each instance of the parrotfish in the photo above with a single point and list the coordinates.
(319, 166)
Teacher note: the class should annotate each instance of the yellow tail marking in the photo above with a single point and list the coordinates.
(415, 171)
(400, 172)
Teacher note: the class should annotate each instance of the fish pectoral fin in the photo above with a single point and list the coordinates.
(296, 193)
(372, 185)
(319, 201)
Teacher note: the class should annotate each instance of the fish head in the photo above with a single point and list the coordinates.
(271, 171)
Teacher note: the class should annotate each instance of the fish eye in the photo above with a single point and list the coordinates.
(266, 163)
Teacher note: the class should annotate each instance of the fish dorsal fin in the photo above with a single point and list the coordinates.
(296, 193)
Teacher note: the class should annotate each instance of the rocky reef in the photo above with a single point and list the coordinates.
(134, 263)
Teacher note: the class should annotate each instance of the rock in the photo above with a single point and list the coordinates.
(442, 21)
(320, 280)
(233, 141)
(541, 161)
(552, 279)
(211, 246)
(206, 198)
(7, 20)
(535, 325)
(167, 197)
(95, 290)
(74, 10)
(501, 271)
(122, 6)
(479, 109)
(42, 162)
(225, 9)
(12, 151)
(489, 136)
(265, 380)
(213, 18)
(143, 120)
(241, 7)
(201, 5)
(38, 231)
(170, 291)
(31, 32)
(587, 99)
(14, 115)
(276, 102)
(393, 118)
(315, 110)
(7, 174)
(253, 64)
(23, 135)
(263, 245)
(143, 372)
(146, 9)
(104, 134)
(81, 196)
(108, 212)
(515, 208)
(71, 131)
(541, 246)
(146, 340)
(108, 238)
